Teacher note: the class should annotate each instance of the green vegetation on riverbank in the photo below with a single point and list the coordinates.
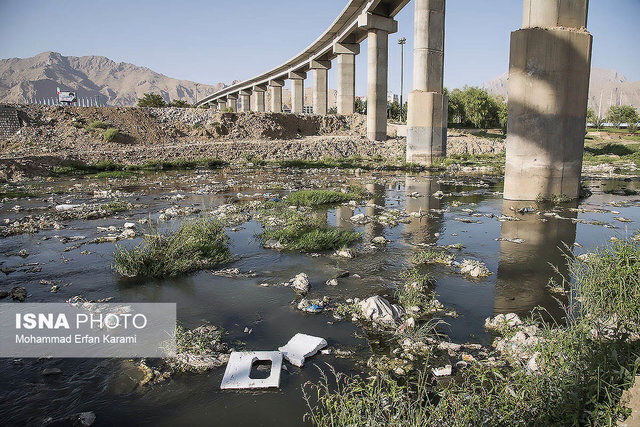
(577, 377)
(198, 244)
(325, 197)
(108, 169)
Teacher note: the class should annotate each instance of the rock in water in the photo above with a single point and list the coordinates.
(19, 293)
(82, 419)
(378, 309)
(301, 283)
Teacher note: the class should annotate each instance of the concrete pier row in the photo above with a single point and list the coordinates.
(549, 70)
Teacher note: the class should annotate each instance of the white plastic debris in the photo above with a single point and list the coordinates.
(63, 208)
(442, 372)
(238, 372)
(300, 347)
(301, 283)
(378, 309)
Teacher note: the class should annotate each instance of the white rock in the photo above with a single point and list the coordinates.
(379, 240)
(129, 225)
(345, 253)
(332, 282)
(378, 309)
(300, 347)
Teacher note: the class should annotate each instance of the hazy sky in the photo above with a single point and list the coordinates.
(212, 41)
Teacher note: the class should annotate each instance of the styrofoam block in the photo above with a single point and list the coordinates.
(301, 346)
(237, 374)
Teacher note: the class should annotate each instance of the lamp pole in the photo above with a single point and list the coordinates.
(401, 42)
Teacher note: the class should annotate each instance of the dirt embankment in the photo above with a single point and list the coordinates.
(49, 134)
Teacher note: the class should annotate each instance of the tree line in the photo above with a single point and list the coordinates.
(617, 115)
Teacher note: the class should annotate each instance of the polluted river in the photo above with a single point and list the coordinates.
(58, 245)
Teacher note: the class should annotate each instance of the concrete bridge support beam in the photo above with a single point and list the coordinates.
(258, 98)
(428, 107)
(275, 92)
(379, 28)
(297, 92)
(232, 102)
(222, 104)
(548, 91)
(320, 86)
(245, 101)
(346, 76)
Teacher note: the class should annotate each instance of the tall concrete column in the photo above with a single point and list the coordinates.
(346, 76)
(378, 28)
(222, 104)
(297, 91)
(275, 92)
(549, 72)
(320, 86)
(232, 102)
(428, 107)
(245, 101)
(258, 98)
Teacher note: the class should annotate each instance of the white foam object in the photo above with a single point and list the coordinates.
(300, 347)
(237, 374)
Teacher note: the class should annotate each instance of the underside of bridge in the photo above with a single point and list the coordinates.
(548, 86)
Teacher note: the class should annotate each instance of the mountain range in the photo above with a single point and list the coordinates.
(116, 83)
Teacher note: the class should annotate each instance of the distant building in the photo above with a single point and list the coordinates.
(392, 97)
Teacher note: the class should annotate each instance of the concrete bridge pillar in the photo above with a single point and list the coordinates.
(245, 101)
(275, 92)
(297, 91)
(320, 86)
(428, 107)
(222, 104)
(346, 76)
(378, 28)
(549, 72)
(232, 102)
(258, 98)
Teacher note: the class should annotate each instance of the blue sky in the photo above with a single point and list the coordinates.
(222, 40)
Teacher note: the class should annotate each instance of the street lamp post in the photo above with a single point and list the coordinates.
(401, 42)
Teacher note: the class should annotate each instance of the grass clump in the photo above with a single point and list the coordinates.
(580, 372)
(324, 197)
(300, 231)
(115, 174)
(97, 124)
(432, 256)
(16, 194)
(198, 244)
(115, 206)
(110, 134)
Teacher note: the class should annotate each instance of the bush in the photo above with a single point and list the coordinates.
(152, 100)
(111, 134)
(198, 244)
(323, 197)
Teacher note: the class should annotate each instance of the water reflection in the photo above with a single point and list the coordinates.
(524, 269)
(375, 206)
(343, 214)
(419, 193)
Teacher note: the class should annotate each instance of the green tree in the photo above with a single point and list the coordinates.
(619, 114)
(456, 107)
(480, 109)
(361, 106)
(151, 100)
(180, 104)
(503, 112)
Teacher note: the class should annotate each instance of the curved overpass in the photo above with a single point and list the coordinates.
(349, 28)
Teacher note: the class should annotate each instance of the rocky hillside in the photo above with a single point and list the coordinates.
(607, 85)
(117, 83)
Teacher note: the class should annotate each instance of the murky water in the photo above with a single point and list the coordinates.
(521, 272)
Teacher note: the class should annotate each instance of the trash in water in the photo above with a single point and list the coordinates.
(238, 372)
(300, 347)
